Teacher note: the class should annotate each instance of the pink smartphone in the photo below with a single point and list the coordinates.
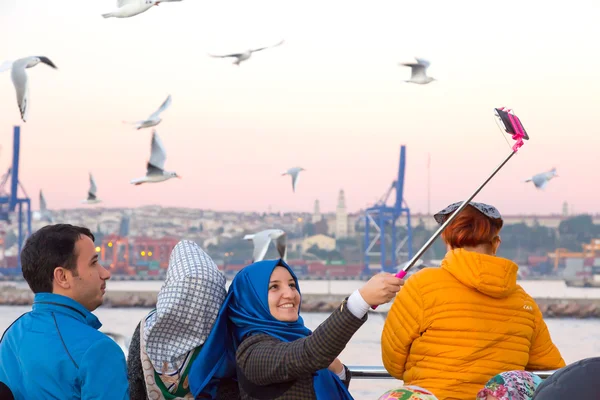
(510, 122)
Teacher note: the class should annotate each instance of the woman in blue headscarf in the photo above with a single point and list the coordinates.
(276, 356)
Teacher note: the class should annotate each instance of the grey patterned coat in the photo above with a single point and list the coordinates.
(271, 369)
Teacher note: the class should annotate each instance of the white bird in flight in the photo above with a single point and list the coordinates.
(130, 8)
(155, 168)
(240, 57)
(44, 212)
(541, 180)
(20, 80)
(294, 172)
(261, 241)
(419, 72)
(91, 197)
(154, 118)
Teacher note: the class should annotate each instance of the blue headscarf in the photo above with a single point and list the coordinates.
(246, 312)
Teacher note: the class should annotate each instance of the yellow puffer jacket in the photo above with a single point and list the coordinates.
(450, 329)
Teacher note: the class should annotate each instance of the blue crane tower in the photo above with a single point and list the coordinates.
(383, 218)
(11, 202)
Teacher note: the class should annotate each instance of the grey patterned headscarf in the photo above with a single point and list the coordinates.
(186, 308)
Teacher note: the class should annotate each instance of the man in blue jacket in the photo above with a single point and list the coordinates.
(55, 351)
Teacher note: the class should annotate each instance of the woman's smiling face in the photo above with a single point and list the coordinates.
(284, 298)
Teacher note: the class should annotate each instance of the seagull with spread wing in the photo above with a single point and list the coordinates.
(155, 169)
(91, 197)
(261, 241)
(130, 8)
(154, 118)
(419, 72)
(20, 80)
(240, 57)
(294, 173)
(541, 180)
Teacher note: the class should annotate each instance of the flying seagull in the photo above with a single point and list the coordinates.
(19, 78)
(130, 8)
(293, 172)
(154, 118)
(541, 180)
(44, 212)
(261, 241)
(155, 167)
(91, 197)
(419, 72)
(240, 57)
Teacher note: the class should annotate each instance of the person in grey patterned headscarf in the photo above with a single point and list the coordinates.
(169, 338)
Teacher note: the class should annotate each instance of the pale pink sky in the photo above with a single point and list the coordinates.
(331, 99)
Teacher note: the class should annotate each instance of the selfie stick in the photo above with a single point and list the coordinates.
(518, 135)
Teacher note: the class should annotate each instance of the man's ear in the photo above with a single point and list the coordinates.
(62, 277)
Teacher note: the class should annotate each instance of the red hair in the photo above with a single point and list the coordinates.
(471, 228)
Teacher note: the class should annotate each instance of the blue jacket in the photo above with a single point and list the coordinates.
(55, 351)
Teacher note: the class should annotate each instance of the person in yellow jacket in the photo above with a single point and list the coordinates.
(450, 329)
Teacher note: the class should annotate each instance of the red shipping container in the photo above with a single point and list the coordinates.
(316, 267)
(234, 267)
(296, 262)
(536, 260)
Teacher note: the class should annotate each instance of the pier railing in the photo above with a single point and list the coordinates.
(358, 371)
(377, 372)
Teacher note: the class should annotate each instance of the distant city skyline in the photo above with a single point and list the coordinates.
(331, 99)
(571, 212)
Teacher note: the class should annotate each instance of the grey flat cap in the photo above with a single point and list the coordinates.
(485, 209)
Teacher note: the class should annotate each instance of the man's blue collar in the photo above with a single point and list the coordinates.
(65, 305)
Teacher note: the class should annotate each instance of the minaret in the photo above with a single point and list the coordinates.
(316, 217)
(341, 217)
(565, 210)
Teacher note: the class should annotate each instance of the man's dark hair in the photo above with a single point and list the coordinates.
(50, 247)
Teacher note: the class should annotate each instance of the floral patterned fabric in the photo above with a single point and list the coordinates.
(408, 393)
(511, 385)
